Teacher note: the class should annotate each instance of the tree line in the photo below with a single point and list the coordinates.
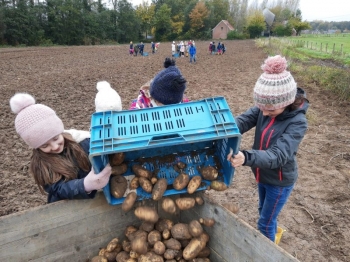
(86, 22)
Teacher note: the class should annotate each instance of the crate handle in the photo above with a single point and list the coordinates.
(173, 137)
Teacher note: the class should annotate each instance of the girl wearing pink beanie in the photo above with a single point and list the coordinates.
(280, 124)
(60, 165)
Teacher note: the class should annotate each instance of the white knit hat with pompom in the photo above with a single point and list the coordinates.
(276, 87)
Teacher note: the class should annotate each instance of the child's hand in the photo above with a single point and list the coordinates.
(95, 182)
(236, 160)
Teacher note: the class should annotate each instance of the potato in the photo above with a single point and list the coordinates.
(129, 201)
(234, 208)
(164, 224)
(181, 165)
(205, 252)
(99, 259)
(166, 234)
(138, 234)
(122, 256)
(159, 248)
(140, 171)
(200, 260)
(147, 214)
(112, 244)
(133, 254)
(154, 180)
(178, 256)
(168, 205)
(185, 203)
(195, 228)
(194, 183)
(184, 242)
(111, 255)
(116, 159)
(147, 226)
(150, 257)
(181, 231)
(145, 184)
(119, 170)
(118, 185)
(153, 237)
(129, 230)
(209, 222)
(139, 245)
(209, 173)
(126, 245)
(170, 254)
(181, 181)
(159, 189)
(193, 248)
(218, 185)
(172, 243)
(131, 260)
(102, 252)
(199, 200)
(134, 183)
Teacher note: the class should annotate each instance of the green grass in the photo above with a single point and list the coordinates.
(336, 47)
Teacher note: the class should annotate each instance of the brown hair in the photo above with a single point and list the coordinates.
(299, 100)
(49, 168)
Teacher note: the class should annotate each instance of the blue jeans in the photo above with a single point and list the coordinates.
(192, 57)
(271, 201)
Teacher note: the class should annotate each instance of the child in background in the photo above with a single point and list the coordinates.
(193, 53)
(166, 88)
(59, 164)
(131, 49)
(280, 124)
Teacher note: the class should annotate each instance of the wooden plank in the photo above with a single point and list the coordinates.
(233, 239)
(62, 231)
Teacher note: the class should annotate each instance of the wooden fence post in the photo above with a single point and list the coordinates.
(307, 45)
(341, 50)
(333, 48)
(326, 47)
(321, 47)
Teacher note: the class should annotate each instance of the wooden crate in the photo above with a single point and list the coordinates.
(74, 230)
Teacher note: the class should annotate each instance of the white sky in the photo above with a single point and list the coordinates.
(327, 10)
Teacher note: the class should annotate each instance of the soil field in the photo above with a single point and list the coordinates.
(317, 216)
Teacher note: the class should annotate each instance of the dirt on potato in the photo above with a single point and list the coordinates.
(317, 216)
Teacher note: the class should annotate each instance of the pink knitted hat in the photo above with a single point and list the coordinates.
(35, 123)
(276, 87)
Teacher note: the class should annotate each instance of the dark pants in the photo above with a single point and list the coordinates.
(271, 201)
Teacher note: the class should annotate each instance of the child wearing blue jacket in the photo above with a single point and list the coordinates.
(59, 163)
(280, 125)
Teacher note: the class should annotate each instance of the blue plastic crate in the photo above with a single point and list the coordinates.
(198, 133)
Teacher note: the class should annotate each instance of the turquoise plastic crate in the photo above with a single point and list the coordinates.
(198, 133)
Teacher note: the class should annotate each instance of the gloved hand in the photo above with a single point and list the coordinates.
(78, 135)
(97, 181)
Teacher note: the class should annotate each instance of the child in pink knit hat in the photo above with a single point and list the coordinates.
(280, 124)
(59, 164)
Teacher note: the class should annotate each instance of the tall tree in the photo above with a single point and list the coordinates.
(256, 24)
(198, 15)
(145, 14)
(162, 23)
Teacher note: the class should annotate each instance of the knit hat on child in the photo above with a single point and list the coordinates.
(35, 123)
(168, 86)
(276, 87)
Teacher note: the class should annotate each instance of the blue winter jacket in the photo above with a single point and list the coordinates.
(192, 50)
(273, 156)
(72, 189)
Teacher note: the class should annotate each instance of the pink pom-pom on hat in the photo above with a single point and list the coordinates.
(35, 123)
(276, 87)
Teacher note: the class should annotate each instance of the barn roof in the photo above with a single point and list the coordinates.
(229, 26)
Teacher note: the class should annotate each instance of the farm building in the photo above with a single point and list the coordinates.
(221, 30)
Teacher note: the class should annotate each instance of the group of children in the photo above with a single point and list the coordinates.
(184, 49)
(134, 49)
(220, 49)
(62, 170)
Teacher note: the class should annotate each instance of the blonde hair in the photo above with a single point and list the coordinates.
(47, 169)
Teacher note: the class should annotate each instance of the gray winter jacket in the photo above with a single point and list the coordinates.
(273, 156)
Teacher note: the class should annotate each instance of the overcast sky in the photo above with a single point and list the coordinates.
(327, 10)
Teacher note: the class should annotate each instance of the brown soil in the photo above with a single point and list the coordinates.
(317, 216)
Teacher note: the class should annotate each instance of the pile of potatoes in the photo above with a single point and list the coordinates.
(149, 182)
(159, 240)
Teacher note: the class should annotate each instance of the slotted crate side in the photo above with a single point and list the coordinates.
(113, 131)
(195, 155)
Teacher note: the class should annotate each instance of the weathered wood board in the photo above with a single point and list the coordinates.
(75, 230)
